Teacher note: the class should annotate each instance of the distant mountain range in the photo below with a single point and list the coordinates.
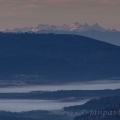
(57, 57)
(94, 31)
(74, 27)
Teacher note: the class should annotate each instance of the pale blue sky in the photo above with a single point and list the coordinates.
(26, 13)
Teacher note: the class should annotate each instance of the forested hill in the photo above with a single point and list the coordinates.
(57, 57)
(111, 112)
(96, 104)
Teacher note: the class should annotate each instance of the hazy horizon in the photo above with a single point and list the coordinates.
(58, 26)
(30, 13)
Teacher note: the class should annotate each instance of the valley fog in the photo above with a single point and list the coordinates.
(28, 105)
(93, 85)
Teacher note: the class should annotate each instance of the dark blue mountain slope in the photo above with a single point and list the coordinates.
(57, 57)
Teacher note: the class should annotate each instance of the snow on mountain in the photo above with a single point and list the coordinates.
(74, 27)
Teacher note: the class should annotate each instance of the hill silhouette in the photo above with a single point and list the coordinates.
(57, 57)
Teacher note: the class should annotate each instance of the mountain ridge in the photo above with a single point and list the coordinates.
(57, 57)
(74, 27)
(94, 31)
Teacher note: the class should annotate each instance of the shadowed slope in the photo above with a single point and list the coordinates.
(57, 56)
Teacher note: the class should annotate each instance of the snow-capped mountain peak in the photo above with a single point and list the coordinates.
(74, 27)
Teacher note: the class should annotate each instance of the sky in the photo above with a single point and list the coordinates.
(30, 13)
